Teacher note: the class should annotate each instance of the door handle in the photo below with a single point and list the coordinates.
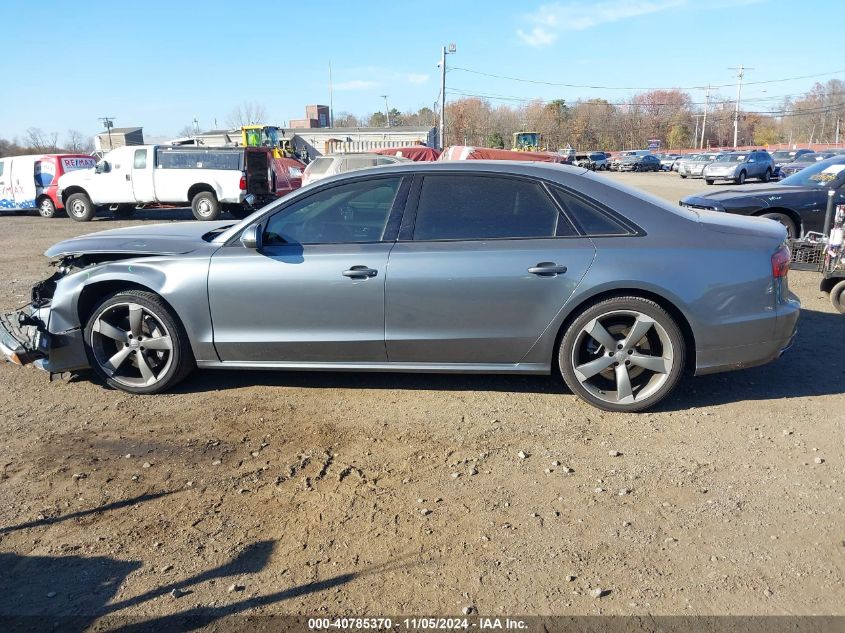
(360, 272)
(127, 177)
(547, 269)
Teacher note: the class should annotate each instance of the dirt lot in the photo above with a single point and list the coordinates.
(393, 494)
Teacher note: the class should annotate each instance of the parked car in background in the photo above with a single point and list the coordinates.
(31, 182)
(677, 162)
(667, 160)
(617, 160)
(595, 161)
(739, 166)
(797, 202)
(333, 164)
(211, 180)
(802, 161)
(783, 156)
(635, 162)
(304, 284)
(693, 167)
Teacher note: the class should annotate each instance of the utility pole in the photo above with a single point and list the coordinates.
(196, 131)
(704, 121)
(108, 123)
(740, 74)
(386, 111)
(451, 50)
(695, 136)
(837, 130)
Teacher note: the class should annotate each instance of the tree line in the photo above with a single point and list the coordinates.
(37, 141)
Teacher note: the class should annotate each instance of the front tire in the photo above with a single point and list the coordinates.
(767, 176)
(709, 181)
(205, 206)
(80, 208)
(623, 354)
(136, 343)
(837, 296)
(46, 208)
(740, 180)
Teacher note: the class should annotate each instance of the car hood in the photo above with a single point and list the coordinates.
(746, 191)
(173, 238)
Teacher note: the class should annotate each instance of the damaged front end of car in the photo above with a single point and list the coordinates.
(47, 332)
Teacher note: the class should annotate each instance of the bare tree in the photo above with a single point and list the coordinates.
(79, 143)
(41, 141)
(247, 113)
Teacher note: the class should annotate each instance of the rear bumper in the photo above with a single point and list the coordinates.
(716, 360)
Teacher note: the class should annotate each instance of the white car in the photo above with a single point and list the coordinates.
(333, 164)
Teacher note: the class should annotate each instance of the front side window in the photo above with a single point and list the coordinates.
(483, 207)
(140, 159)
(353, 212)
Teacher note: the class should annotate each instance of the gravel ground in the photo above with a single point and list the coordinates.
(275, 493)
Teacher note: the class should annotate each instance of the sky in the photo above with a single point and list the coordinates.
(161, 64)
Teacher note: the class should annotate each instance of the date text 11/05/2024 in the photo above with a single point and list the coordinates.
(488, 623)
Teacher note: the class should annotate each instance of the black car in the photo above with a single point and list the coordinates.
(784, 156)
(633, 162)
(798, 202)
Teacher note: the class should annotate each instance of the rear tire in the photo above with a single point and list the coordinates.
(837, 296)
(205, 206)
(46, 208)
(709, 181)
(80, 208)
(648, 369)
(788, 223)
(136, 343)
(682, 176)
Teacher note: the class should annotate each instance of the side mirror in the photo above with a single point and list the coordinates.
(102, 167)
(251, 237)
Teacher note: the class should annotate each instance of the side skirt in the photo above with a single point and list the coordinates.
(435, 368)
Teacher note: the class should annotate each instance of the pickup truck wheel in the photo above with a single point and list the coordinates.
(80, 208)
(791, 229)
(136, 343)
(46, 208)
(206, 206)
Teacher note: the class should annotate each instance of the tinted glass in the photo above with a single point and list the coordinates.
(591, 219)
(351, 164)
(354, 212)
(140, 159)
(479, 207)
(2, 165)
(199, 159)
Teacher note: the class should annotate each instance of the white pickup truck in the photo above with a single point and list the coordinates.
(211, 180)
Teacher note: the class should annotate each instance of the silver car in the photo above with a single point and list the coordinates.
(481, 267)
(693, 167)
(738, 166)
(333, 164)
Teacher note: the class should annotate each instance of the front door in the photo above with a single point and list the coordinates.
(314, 291)
(114, 184)
(142, 176)
(490, 264)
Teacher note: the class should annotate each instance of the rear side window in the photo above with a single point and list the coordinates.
(199, 159)
(589, 218)
(479, 207)
(319, 165)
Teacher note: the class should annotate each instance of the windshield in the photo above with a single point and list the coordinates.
(732, 158)
(783, 155)
(817, 175)
(703, 158)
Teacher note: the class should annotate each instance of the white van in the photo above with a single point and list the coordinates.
(29, 182)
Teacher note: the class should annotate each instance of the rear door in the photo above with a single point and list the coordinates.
(482, 270)
(23, 181)
(142, 175)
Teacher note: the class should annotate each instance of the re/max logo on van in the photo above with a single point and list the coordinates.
(70, 164)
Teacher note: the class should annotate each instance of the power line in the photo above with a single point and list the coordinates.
(567, 85)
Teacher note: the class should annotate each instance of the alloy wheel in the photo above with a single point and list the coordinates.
(622, 357)
(131, 345)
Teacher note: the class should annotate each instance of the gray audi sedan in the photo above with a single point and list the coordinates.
(471, 266)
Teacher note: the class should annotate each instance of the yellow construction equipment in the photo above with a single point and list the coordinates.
(267, 136)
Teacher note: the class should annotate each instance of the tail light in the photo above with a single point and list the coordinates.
(780, 262)
(243, 183)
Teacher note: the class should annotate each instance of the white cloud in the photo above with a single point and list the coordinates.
(550, 20)
(355, 84)
(416, 78)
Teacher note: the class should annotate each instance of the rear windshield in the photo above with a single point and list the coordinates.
(198, 159)
(319, 166)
